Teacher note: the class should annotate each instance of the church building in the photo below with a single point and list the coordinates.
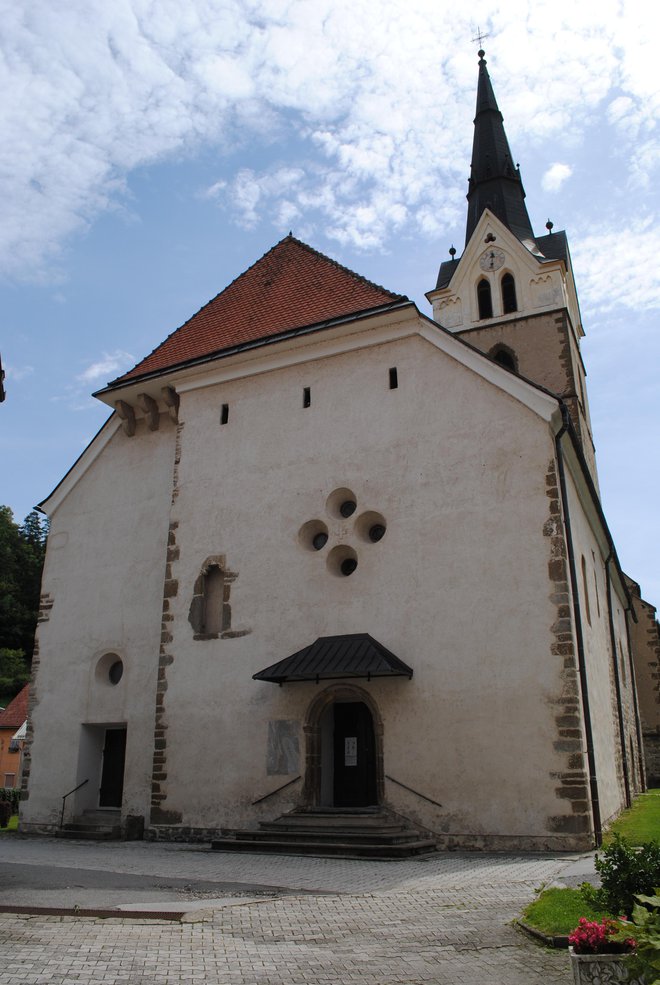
(332, 558)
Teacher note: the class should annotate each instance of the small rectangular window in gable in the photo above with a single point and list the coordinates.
(224, 414)
(307, 396)
(394, 378)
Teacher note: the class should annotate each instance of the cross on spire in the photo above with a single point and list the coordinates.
(480, 37)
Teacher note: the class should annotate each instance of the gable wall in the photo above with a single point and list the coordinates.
(102, 591)
(458, 588)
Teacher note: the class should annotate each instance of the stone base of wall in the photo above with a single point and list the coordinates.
(514, 843)
(651, 741)
(445, 842)
(37, 828)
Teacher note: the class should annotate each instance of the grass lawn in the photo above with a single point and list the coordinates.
(641, 822)
(12, 826)
(557, 911)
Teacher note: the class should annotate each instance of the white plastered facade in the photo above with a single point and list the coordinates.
(457, 459)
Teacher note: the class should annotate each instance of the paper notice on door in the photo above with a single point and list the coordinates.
(350, 750)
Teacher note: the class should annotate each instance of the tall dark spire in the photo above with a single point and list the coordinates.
(495, 181)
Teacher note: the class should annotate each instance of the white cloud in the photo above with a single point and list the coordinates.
(105, 367)
(18, 373)
(376, 93)
(555, 176)
(618, 266)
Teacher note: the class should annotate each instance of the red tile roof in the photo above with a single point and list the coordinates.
(292, 286)
(16, 711)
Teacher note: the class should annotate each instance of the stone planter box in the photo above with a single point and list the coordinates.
(601, 969)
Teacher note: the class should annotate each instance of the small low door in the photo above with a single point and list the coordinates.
(112, 772)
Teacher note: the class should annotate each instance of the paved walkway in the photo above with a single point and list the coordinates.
(443, 919)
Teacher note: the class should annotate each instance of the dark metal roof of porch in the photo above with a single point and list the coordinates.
(330, 658)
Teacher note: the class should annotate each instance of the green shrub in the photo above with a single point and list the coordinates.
(5, 813)
(625, 872)
(644, 928)
(12, 796)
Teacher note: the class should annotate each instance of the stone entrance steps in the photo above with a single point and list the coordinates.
(94, 825)
(367, 833)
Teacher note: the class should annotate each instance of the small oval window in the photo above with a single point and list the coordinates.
(347, 508)
(116, 672)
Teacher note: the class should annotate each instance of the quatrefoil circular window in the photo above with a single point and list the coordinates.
(343, 524)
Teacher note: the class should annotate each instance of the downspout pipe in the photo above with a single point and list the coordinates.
(579, 638)
(617, 681)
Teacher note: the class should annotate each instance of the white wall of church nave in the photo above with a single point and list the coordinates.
(458, 587)
(104, 571)
(598, 655)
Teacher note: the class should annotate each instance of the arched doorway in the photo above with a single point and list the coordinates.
(344, 759)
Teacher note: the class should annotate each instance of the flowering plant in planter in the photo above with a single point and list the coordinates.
(591, 937)
(600, 953)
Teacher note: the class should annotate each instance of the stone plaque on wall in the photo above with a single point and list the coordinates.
(283, 747)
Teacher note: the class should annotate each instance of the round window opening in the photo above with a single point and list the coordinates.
(116, 672)
(319, 541)
(348, 507)
(348, 566)
(376, 532)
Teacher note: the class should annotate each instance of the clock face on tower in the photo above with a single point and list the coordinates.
(492, 259)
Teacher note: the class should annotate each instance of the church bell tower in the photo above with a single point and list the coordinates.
(512, 294)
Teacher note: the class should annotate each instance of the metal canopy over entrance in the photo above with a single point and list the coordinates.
(334, 657)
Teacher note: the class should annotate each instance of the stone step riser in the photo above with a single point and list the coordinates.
(330, 823)
(287, 825)
(312, 848)
(354, 837)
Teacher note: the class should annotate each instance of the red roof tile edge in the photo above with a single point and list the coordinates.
(389, 298)
(16, 711)
(126, 380)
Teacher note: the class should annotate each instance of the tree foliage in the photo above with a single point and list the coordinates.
(14, 671)
(22, 552)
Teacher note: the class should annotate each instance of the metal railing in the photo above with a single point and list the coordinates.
(273, 792)
(68, 795)
(416, 792)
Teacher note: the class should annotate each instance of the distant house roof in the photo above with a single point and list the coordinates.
(16, 711)
(292, 286)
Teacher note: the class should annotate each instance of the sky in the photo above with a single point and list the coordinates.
(150, 151)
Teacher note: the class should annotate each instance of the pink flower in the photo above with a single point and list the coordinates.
(591, 937)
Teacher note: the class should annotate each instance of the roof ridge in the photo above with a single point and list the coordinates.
(284, 255)
(340, 266)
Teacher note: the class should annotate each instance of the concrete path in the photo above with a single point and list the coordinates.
(259, 919)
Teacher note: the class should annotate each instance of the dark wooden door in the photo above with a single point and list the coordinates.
(354, 756)
(112, 773)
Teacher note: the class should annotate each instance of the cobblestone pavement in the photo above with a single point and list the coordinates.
(444, 919)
